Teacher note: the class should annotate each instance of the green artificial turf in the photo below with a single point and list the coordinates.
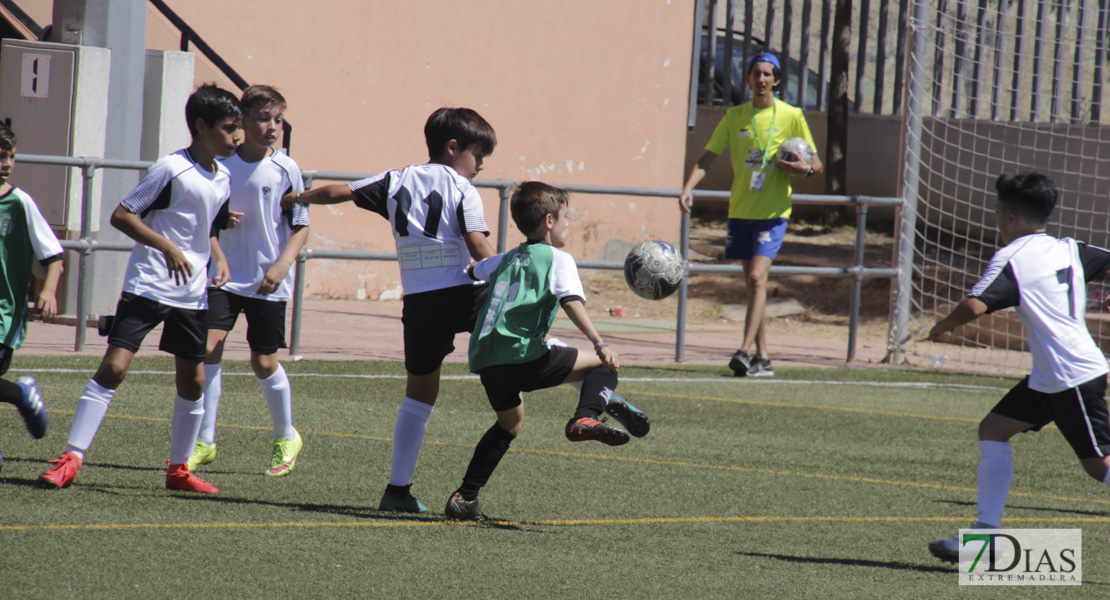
(819, 483)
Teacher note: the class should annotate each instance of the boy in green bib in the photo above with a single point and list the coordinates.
(510, 352)
(26, 241)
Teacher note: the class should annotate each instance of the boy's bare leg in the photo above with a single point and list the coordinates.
(277, 393)
(188, 409)
(213, 389)
(408, 436)
(996, 466)
(94, 401)
(756, 271)
(487, 455)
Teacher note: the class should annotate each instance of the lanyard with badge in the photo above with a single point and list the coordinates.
(761, 155)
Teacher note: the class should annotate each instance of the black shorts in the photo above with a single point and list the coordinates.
(432, 319)
(504, 383)
(265, 319)
(184, 334)
(6, 353)
(1079, 412)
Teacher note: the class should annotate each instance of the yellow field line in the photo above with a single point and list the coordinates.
(550, 522)
(889, 413)
(653, 461)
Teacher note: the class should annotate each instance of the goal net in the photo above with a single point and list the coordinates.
(997, 86)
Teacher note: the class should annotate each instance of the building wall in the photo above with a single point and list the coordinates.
(579, 92)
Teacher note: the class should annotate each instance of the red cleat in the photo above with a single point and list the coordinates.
(178, 477)
(591, 429)
(62, 474)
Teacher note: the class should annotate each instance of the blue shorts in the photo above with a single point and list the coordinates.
(754, 237)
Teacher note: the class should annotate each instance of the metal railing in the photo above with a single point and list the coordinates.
(86, 244)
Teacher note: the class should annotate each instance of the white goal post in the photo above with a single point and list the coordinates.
(996, 86)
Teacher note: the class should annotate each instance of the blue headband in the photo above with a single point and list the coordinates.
(766, 57)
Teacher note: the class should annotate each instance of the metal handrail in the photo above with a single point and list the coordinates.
(86, 244)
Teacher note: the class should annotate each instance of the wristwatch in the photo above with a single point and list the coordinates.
(809, 173)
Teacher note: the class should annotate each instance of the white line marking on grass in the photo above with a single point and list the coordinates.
(721, 380)
(550, 522)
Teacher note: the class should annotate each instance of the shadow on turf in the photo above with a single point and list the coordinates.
(1066, 511)
(850, 562)
(357, 512)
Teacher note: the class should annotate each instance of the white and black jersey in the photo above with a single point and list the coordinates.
(432, 209)
(186, 203)
(257, 242)
(1044, 279)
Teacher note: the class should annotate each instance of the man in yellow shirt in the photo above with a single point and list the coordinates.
(761, 195)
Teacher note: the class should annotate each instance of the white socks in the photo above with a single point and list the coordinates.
(279, 397)
(187, 415)
(996, 473)
(91, 408)
(408, 436)
(213, 389)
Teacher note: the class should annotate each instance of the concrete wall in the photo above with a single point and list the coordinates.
(578, 91)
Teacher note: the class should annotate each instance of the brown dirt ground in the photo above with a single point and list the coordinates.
(826, 300)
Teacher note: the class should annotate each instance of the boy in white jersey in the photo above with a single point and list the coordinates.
(1044, 279)
(260, 252)
(439, 225)
(25, 237)
(173, 215)
(510, 352)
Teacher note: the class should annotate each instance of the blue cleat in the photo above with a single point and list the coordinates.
(31, 408)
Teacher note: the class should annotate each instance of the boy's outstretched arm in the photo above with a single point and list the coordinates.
(277, 271)
(478, 244)
(325, 194)
(966, 311)
(47, 302)
(133, 227)
(576, 311)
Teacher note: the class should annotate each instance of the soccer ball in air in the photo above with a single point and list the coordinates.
(654, 270)
(796, 149)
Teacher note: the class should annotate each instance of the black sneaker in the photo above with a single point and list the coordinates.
(633, 419)
(585, 428)
(461, 509)
(740, 363)
(761, 367)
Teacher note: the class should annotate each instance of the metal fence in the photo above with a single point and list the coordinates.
(87, 244)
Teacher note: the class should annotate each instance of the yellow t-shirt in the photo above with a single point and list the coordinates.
(735, 131)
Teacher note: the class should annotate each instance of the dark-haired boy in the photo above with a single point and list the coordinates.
(510, 351)
(1044, 279)
(25, 237)
(172, 215)
(260, 252)
(761, 195)
(438, 225)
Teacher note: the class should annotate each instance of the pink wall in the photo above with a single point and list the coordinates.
(579, 91)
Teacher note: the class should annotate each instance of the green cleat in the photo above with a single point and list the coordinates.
(633, 419)
(202, 455)
(401, 502)
(285, 455)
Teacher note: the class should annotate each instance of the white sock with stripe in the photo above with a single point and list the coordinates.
(91, 408)
(187, 416)
(213, 389)
(408, 436)
(279, 397)
(996, 473)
